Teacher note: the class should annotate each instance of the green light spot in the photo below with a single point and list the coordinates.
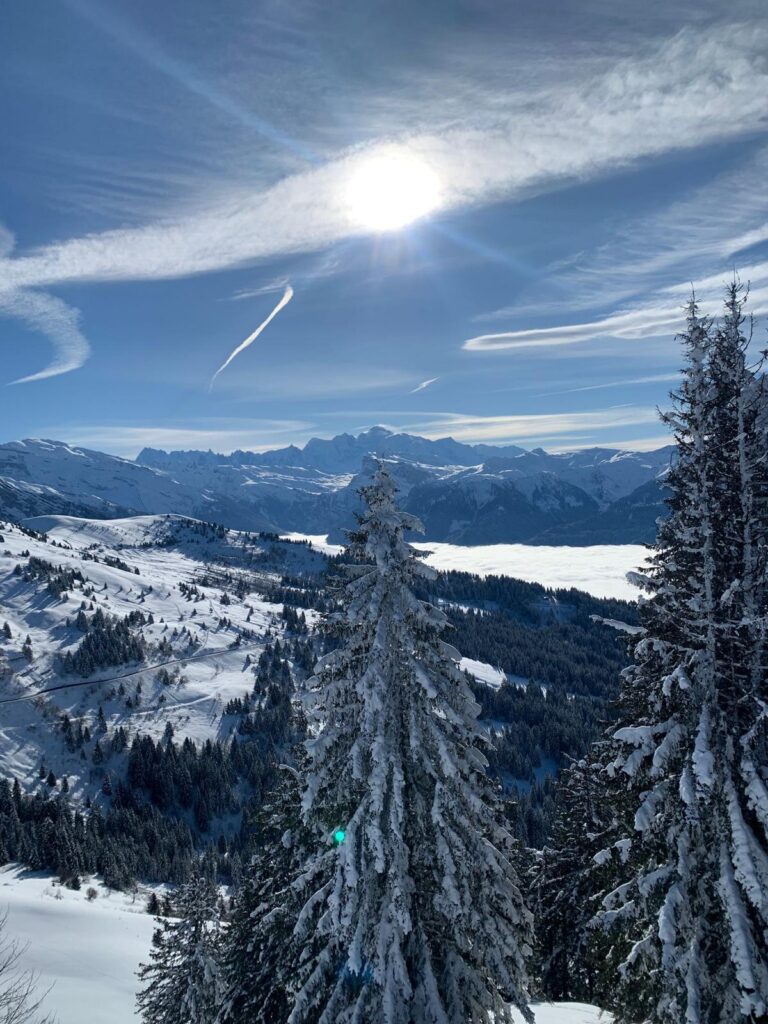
(339, 836)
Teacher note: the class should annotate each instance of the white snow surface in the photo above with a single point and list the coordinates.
(89, 951)
(618, 625)
(85, 952)
(599, 569)
(484, 673)
(319, 541)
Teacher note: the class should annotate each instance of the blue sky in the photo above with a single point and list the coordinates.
(169, 168)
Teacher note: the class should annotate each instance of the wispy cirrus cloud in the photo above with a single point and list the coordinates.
(50, 316)
(713, 227)
(561, 431)
(709, 229)
(221, 436)
(46, 315)
(647, 322)
(314, 382)
(659, 316)
(639, 444)
(695, 88)
(653, 378)
(536, 427)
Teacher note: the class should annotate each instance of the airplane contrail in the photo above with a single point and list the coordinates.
(287, 296)
(424, 384)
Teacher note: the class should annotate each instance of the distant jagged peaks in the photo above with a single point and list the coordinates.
(464, 493)
(343, 453)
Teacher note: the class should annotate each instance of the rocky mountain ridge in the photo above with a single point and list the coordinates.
(464, 494)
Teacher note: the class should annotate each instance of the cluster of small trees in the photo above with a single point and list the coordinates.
(108, 641)
(59, 579)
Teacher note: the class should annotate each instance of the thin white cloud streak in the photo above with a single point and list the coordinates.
(635, 444)
(320, 267)
(496, 429)
(655, 378)
(632, 324)
(251, 435)
(255, 293)
(424, 385)
(662, 316)
(287, 296)
(313, 380)
(694, 89)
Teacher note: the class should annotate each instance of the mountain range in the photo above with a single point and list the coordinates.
(463, 493)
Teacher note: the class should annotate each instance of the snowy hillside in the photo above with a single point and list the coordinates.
(175, 577)
(130, 566)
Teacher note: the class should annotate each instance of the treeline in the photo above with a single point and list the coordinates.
(529, 602)
(572, 658)
(131, 841)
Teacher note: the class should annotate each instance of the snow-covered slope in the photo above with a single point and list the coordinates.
(104, 484)
(136, 565)
(144, 565)
(94, 980)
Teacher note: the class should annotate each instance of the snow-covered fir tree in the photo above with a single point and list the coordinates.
(261, 955)
(572, 958)
(414, 915)
(682, 879)
(183, 979)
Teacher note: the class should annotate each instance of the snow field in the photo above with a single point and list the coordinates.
(88, 953)
(85, 952)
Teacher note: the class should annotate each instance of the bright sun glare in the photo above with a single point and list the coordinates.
(389, 190)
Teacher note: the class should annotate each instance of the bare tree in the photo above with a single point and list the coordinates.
(20, 998)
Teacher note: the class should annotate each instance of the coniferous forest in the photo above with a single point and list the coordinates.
(388, 885)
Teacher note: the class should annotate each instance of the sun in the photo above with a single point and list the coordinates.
(387, 191)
